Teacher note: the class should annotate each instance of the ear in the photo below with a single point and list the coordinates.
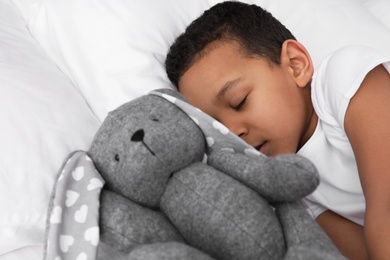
(298, 60)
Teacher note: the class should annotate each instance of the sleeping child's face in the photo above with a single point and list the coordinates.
(263, 103)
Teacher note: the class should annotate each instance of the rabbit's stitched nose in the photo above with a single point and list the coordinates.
(138, 136)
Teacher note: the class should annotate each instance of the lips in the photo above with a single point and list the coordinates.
(260, 146)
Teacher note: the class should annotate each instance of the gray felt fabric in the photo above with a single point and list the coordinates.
(156, 154)
(303, 244)
(276, 179)
(142, 226)
(213, 212)
(168, 251)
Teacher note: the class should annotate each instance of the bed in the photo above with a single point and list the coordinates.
(65, 64)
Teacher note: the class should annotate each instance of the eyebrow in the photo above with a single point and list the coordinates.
(228, 86)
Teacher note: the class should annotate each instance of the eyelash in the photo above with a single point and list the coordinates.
(239, 106)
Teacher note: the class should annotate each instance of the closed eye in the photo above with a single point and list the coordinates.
(241, 104)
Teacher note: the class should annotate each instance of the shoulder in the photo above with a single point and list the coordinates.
(348, 66)
(338, 77)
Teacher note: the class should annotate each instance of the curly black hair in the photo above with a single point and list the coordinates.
(258, 33)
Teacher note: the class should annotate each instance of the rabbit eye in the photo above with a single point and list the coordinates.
(116, 157)
(155, 119)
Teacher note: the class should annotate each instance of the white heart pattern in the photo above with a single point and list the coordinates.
(61, 176)
(71, 198)
(92, 235)
(252, 152)
(195, 120)
(78, 173)
(205, 157)
(82, 256)
(210, 141)
(56, 214)
(223, 129)
(73, 231)
(170, 98)
(228, 149)
(81, 215)
(94, 183)
(65, 242)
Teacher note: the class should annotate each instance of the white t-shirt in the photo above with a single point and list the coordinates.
(334, 83)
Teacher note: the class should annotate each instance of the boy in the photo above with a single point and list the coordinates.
(244, 68)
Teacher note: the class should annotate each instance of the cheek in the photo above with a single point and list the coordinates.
(273, 118)
(264, 111)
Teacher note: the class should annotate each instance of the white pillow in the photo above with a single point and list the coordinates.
(379, 8)
(43, 118)
(113, 51)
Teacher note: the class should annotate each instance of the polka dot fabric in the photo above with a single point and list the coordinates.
(73, 221)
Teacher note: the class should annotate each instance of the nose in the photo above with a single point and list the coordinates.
(237, 128)
(138, 136)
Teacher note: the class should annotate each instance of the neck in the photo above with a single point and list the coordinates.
(312, 124)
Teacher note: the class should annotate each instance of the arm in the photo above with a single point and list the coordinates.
(278, 179)
(346, 235)
(367, 124)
